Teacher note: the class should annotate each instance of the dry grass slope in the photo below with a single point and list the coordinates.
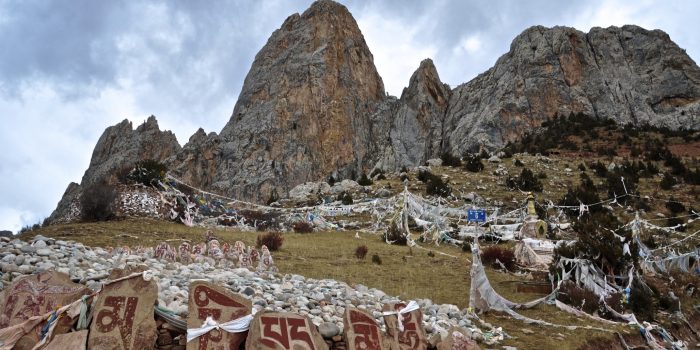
(408, 273)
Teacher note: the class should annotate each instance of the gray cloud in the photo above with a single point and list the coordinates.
(70, 69)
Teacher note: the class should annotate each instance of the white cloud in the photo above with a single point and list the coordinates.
(47, 142)
(397, 53)
(471, 44)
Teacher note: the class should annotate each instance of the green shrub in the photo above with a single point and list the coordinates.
(616, 187)
(364, 180)
(273, 240)
(449, 160)
(424, 175)
(361, 252)
(583, 299)
(437, 187)
(692, 177)
(466, 246)
(394, 235)
(674, 206)
(345, 198)
(97, 202)
(594, 232)
(525, 182)
(518, 163)
(376, 259)
(302, 227)
(148, 172)
(668, 181)
(642, 301)
(262, 220)
(585, 193)
(506, 256)
(599, 169)
(473, 163)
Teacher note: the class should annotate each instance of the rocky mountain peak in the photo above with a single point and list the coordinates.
(120, 146)
(425, 81)
(303, 112)
(314, 106)
(629, 74)
(417, 118)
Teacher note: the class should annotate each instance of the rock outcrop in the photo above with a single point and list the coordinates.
(68, 207)
(121, 146)
(628, 74)
(303, 112)
(314, 106)
(196, 163)
(417, 120)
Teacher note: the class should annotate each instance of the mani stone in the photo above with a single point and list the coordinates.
(413, 335)
(72, 341)
(124, 313)
(36, 295)
(457, 339)
(362, 331)
(207, 299)
(283, 331)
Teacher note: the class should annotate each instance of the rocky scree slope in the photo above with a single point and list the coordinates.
(313, 105)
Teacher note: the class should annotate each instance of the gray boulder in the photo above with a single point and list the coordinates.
(309, 190)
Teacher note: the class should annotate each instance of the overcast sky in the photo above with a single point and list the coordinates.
(69, 69)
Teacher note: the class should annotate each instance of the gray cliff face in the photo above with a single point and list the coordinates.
(417, 120)
(64, 208)
(628, 74)
(313, 105)
(304, 110)
(197, 161)
(121, 146)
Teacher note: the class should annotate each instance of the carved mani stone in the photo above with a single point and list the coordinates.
(362, 331)
(413, 335)
(283, 331)
(69, 341)
(123, 317)
(37, 295)
(458, 339)
(207, 299)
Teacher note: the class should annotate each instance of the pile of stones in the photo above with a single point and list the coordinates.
(325, 310)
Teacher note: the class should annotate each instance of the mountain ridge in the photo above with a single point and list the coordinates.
(313, 105)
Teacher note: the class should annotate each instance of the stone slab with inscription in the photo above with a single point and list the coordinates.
(36, 295)
(69, 341)
(413, 335)
(222, 305)
(283, 331)
(458, 339)
(123, 315)
(362, 331)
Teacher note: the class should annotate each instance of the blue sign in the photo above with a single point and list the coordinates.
(476, 215)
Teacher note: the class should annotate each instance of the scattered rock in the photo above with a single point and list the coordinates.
(328, 330)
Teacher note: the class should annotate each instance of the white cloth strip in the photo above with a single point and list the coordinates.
(238, 325)
(411, 306)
